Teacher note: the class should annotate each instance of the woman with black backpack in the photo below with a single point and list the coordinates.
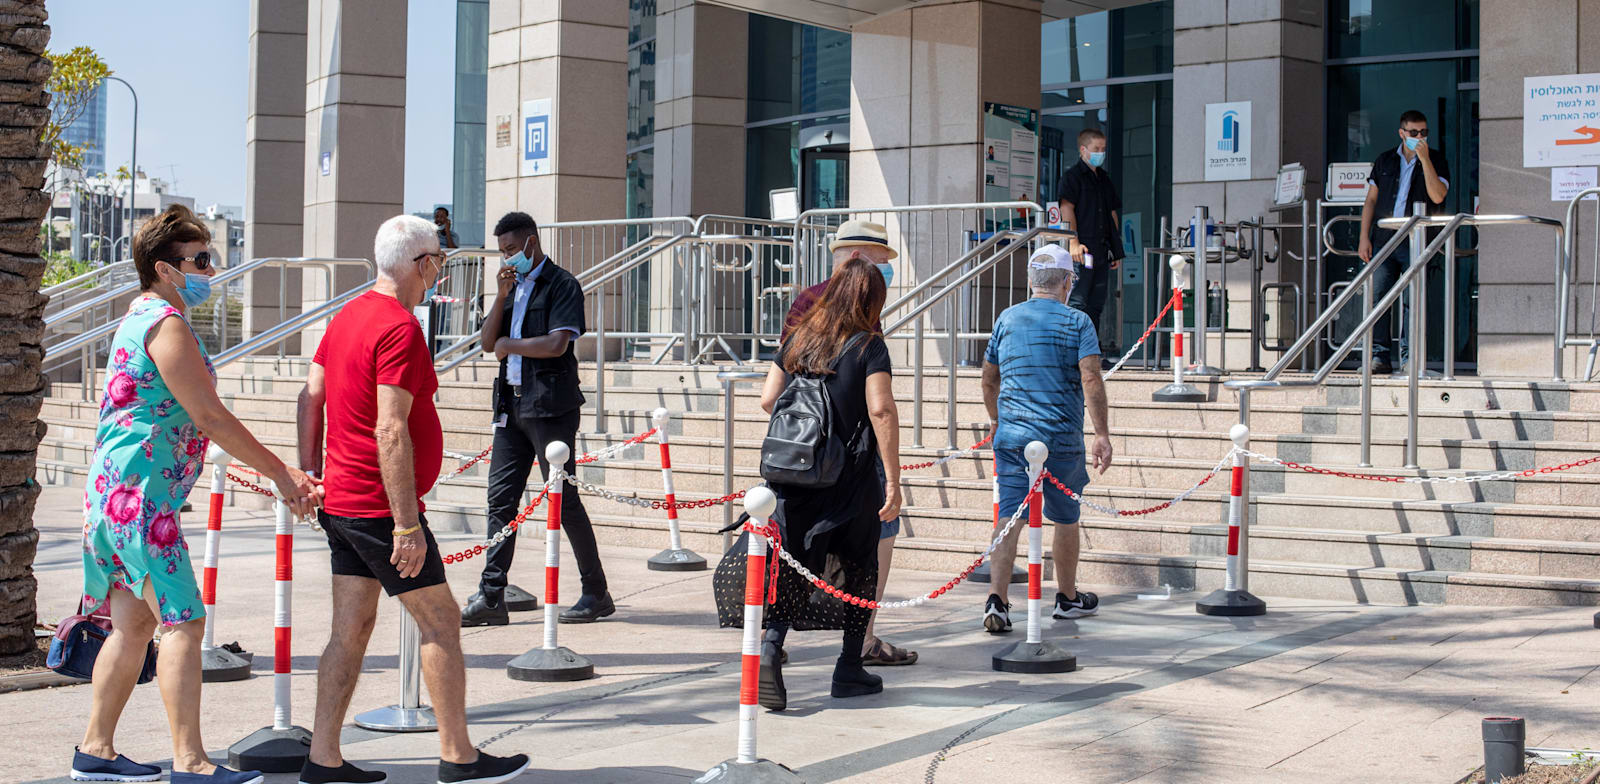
(833, 367)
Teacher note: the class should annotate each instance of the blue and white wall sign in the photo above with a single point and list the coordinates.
(537, 127)
(1227, 141)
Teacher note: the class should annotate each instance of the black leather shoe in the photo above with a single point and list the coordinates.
(589, 609)
(771, 693)
(479, 612)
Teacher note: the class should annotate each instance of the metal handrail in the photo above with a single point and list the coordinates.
(74, 281)
(104, 299)
(777, 224)
(1564, 277)
(728, 379)
(985, 266)
(287, 329)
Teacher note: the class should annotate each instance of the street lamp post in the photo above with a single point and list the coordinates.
(133, 173)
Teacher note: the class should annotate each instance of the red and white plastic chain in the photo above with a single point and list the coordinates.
(1178, 499)
(255, 488)
(701, 504)
(1152, 328)
(826, 587)
(468, 463)
(947, 458)
(505, 532)
(1420, 480)
(609, 451)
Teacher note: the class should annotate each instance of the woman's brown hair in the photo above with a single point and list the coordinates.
(853, 302)
(158, 240)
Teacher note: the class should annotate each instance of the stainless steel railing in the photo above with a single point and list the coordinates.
(1564, 281)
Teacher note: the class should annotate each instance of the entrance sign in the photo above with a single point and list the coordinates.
(1567, 182)
(1227, 141)
(1009, 152)
(1347, 182)
(1561, 120)
(536, 128)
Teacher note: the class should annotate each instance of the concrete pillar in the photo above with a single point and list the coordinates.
(1516, 269)
(275, 135)
(1269, 53)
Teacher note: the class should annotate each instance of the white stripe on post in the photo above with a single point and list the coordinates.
(760, 503)
(556, 455)
(208, 578)
(660, 418)
(1236, 503)
(282, 612)
(1035, 453)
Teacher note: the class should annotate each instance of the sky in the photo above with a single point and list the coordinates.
(189, 62)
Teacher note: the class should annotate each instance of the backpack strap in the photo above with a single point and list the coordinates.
(848, 344)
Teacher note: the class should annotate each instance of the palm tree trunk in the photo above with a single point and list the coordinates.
(24, 110)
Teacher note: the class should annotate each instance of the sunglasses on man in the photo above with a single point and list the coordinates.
(1415, 133)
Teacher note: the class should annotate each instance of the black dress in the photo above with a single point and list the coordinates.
(832, 530)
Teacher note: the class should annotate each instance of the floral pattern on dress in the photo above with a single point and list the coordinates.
(148, 456)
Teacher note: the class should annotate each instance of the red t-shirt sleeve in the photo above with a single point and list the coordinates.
(402, 358)
(321, 357)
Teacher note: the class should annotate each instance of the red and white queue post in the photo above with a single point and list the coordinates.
(1178, 391)
(551, 662)
(675, 558)
(1234, 598)
(282, 747)
(217, 664)
(1034, 654)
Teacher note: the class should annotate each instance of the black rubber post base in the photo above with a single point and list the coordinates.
(670, 560)
(518, 600)
(220, 665)
(1597, 620)
(1178, 393)
(762, 771)
(1034, 657)
(546, 665)
(271, 751)
(1230, 603)
(980, 575)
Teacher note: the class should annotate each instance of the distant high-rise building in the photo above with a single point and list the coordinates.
(89, 132)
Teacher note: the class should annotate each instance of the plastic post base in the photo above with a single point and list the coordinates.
(670, 560)
(397, 719)
(271, 751)
(1178, 393)
(980, 575)
(518, 600)
(1205, 370)
(546, 665)
(220, 665)
(1597, 620)
(1231, 604)
(762, 771)
(1034, 657)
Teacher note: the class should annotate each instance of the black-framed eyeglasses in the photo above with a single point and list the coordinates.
(1415, 133)
(201, 260)
(433, 254)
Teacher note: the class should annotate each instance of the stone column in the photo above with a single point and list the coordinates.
(1268, 53)
(275, 135)
(1516, 268)
(575, 54)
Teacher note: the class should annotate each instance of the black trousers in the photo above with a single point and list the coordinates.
(516, 446)
(1093, 287)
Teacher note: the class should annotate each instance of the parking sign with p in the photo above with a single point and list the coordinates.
(536, 127)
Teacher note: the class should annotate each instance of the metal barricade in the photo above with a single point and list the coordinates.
(1565, 292)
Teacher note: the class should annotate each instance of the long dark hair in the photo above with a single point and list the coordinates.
(852, 303)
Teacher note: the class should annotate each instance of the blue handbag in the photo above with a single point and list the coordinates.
(78, 641)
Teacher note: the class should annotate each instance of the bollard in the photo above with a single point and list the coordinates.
(282, 747)
(551, 662)
(1034, 655)
(217, 665)
(1503, 748)
(1234, 598)
(408, 715)
(1178, 391)
(760, 503)
(980, 575)
(675, 558)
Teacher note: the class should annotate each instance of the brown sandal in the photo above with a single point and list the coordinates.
(883, 654)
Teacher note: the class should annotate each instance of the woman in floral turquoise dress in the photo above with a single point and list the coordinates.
(158, 409)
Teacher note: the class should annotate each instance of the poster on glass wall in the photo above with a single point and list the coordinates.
(1010, 152)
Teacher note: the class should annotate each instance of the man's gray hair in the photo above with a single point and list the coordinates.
(400, 240)
(1047, 277)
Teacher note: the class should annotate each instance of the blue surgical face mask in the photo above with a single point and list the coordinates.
(1411, 143)
(428, 293)
(888, 274)
(1096, 159)
(196, 289)
(521, 262)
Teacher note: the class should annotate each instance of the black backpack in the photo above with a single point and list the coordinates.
(803, 448)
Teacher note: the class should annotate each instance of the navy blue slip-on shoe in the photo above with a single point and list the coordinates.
(90, 768)
(487, 769)
(219, 776)
(312, 773)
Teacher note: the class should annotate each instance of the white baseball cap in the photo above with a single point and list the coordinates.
(1052, 256)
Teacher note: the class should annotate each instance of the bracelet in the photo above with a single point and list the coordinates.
(407, 531)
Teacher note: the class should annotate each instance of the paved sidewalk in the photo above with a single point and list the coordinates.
(1322, 692)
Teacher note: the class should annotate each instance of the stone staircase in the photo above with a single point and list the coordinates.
(1531, 541)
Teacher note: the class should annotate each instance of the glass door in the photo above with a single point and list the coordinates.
(824, 178)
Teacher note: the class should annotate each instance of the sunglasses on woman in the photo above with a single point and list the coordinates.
(201, 260)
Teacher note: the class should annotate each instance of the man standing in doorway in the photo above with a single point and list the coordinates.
(1396, 181)
(869, 241)
(536, 318)
(447, 235)
(1090, 206)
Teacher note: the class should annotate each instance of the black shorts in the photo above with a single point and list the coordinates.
(362, 547)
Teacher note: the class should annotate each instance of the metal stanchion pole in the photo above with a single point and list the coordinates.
(409, 715)
(675, 558)
(1201, 240)
(1034, 655)
(551, 662)
(217, 664)
(282, 747)
(1178, 391)
(1234, 598)
(746, 767)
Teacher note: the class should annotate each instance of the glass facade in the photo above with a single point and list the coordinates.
(471, 120)
(89, 132)
(798, 115)
(641, 108)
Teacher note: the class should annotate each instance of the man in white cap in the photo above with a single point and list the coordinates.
(1042, 365)
(869, 241)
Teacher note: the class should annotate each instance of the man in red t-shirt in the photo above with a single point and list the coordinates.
(372, 383)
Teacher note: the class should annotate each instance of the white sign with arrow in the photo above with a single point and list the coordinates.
(1561, 120)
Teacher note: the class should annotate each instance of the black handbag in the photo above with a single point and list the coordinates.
(78, 641)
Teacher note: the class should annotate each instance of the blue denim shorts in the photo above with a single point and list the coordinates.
(1011, 471)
